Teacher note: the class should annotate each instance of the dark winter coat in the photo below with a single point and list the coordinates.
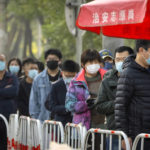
(23, 97)
(106, 97)
(56, 102)
(8, 92)
(132, 104)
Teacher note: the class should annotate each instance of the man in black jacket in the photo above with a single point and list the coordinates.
(25, 87)
(56, 100)
(132, 104)
(107, 91)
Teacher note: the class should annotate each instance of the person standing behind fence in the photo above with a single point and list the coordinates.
(56, 99)
(42, 85)
(132, 104)
(107, 91)
(25, 87)
(8, 89)
(108, 58)
(25, 63)
(15, 67)
(83, 91)
(84, 86)
(8, 92)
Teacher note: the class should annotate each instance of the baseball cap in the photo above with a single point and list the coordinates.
(105, 53)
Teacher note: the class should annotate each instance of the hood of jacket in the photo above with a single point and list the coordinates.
(130, 62)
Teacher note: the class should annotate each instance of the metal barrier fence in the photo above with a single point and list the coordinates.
(12, 132)
(103, 134)
(29, 134)
(36, 134)
(24, 141)
(138, 137)
(52, 131)
(74, 135)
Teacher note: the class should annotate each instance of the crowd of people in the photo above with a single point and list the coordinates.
(108, 91)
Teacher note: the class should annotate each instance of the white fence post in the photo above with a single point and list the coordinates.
(52, 131)
(24, 140)
(141, 136)
(109, 133)
(12, 132)
(75, 135)
(36, 134)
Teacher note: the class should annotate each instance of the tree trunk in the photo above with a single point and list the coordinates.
(25, 42)
(28, 40)
(15, 50)
(11, 36)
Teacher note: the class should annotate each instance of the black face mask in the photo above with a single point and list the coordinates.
(52, 64)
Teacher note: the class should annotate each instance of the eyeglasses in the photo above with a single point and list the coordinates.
(120, 59)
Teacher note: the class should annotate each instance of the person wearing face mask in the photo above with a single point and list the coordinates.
(56, 100)
(42, 84)
(108, 58)
(8, 91)
(83, 90)
(25, 87)
(132, 103)
(15, 67)
(107, 92)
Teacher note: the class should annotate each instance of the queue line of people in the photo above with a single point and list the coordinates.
(107, 92)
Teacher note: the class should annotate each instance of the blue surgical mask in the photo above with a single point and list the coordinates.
(2, 65)
(32, 73)
(68, 80)
(147, 60)
(14, 69)
(108, 65)
(119, 66)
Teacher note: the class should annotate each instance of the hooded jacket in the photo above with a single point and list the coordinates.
(132, 104)
(76, 97)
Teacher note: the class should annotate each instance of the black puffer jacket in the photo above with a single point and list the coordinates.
(132, 104)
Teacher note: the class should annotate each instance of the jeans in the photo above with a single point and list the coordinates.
(115, 143)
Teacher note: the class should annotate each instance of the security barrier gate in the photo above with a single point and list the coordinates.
(52, 131)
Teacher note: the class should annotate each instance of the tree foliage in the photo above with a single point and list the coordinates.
(22, 16)
(52, 17)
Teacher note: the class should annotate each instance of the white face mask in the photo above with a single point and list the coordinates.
(92, 69)
(119, 66)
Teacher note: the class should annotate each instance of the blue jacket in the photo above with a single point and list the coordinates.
(8, 91)
(40, 89)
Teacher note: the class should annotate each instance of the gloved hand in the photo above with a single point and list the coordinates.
(90, 102)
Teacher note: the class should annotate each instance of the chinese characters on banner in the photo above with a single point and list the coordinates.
(113, 17)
